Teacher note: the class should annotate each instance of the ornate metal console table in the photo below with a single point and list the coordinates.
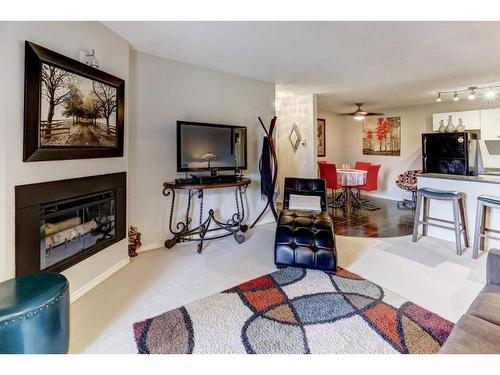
(183, 230)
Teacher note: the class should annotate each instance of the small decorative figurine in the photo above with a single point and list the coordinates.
(134, 241)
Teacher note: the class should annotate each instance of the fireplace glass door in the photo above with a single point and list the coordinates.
(70, 227)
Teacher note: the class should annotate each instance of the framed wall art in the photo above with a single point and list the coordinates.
(321, 137)
(71, 110)
(382, 136)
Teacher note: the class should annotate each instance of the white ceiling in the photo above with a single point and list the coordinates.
(383, 64)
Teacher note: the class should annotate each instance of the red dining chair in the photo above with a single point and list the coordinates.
(371, 184)
(328, 172)
(321, 168)
(320, 163)
(362, 165)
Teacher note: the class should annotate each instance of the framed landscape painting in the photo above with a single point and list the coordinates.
(382, 136)
(71, 110)
(321, 137)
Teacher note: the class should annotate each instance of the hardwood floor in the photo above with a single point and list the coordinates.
(388, 221)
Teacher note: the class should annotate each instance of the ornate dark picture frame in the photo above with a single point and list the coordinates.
(104, 126)
(321, 137)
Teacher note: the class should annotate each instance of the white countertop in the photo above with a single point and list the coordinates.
(492, 179)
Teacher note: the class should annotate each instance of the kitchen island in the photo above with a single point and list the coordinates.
(472, 186)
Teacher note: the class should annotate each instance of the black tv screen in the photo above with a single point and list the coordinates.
(223, 147)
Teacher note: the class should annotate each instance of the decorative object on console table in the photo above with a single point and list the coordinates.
(209, 157)
(268, 168)
(233, 226)
(382, 136)
(71, 110)
(321, 137)
(134, 241)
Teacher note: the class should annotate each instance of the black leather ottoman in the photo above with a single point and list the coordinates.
(303, 238)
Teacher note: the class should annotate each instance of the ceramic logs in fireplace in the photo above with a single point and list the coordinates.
(60, 223)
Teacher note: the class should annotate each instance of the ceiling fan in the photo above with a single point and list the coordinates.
(359, 114)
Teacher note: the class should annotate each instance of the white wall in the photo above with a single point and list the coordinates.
(66, 38)
(336, 126)
(300, 110)
(4, 268)
(415, 120)
(166, 91)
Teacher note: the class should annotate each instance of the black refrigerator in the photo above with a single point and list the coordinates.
(449, 153)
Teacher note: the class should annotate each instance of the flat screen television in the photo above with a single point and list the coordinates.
(210, 147)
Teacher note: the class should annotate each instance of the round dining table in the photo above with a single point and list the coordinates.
(348, 178)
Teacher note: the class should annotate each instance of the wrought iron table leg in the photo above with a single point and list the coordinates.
(169, 243)
(203, 228)
(241, 190)
(339, 200)
(182, 232)
(357, 202)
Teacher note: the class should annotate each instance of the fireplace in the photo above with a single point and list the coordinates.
(60, 223)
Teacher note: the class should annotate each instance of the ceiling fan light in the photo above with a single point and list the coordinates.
(472, 94)
(359, 117)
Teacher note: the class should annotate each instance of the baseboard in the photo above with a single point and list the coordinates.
(382, 196)
(269, 220)
(161, 245)
(99, 279)
(150, 246)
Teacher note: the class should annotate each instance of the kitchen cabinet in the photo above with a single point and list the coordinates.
(471, 119)
(490, 124)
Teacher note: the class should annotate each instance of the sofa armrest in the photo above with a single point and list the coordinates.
(493, 267)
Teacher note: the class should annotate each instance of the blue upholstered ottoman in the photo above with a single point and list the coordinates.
(34, 314)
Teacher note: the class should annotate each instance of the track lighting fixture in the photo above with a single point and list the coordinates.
(472, 94)
(489, 93)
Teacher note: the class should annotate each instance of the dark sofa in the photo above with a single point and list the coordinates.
(478, 331)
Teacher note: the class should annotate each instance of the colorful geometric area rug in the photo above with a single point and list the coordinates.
(296, 311)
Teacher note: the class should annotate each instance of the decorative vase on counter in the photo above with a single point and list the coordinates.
(460, 127)
(449, 128)
(442, 127)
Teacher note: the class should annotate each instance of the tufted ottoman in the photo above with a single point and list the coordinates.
(305, 238)
(34, 314)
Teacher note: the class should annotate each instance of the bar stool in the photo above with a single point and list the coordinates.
(483, 202)
(459, 223)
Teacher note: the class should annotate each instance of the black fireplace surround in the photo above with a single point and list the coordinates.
(60, 223)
